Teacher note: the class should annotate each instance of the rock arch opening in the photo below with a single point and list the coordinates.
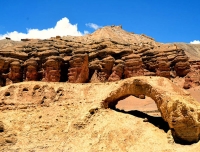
(176, 106)
(144, 108)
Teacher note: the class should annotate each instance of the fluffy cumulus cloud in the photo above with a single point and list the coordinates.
(62, 28)
(93, 26)
(195, 42)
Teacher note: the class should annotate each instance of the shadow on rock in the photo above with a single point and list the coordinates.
(156, 121)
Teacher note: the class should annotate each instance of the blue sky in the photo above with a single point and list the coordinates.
(165, 21)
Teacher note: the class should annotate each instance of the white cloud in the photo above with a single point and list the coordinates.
(92, 25)
(195, 42)
(86, 32)
(62, 28)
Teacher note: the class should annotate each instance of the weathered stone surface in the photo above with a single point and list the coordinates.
(176, 106)
(78, 71)
(15, 73)
(181, 64)
(103, 72)
(103, 48)
(52, 69)
(182, 68)
(117, 71)
(34, 103)
(110, 41)
(31, 70)
(2, 63)
(163, 66)
(191, 50)
(192, 79)
(17, 55)
(133, 66)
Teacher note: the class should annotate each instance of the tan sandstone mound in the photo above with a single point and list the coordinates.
(57, 116)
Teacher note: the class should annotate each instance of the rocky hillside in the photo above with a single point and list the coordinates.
(40, 116)
(191, 50)
(61, 94)
(108, 49)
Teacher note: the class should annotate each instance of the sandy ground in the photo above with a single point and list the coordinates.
(148, 105)
(130, 103)
(195, 92)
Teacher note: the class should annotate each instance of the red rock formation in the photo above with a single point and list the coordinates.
(110, 41)
(117, 71)
(2, 62)
(15, 73)
(181, 64)
(78, 71)
(104, 69)
(163, 66)
(31, 70)
(192, 79)
(133, 66)
(52, 69)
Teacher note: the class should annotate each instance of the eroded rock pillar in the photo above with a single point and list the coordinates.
(163, 66)
(2, 62)
(117, 71)
(52, 69)
(15, 73)
(78, 71)
(104, 70)
(133, 66)
(31, 70)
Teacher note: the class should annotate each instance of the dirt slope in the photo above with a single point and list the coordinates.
(191, 50)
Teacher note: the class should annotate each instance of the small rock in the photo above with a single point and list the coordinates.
(145, 120)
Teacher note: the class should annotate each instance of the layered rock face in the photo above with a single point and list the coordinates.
(133, 66)
(78, 71)
(182, 66)
(51, 69)
(163, 66)
(117, 71)
(103, 71)
(192, 79)
(165, 59)
(140, 55)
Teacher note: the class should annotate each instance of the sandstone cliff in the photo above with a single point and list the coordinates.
(107, 42)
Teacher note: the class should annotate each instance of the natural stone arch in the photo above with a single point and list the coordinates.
(176, 106)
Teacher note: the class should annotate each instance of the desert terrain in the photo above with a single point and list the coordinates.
(99, 115)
